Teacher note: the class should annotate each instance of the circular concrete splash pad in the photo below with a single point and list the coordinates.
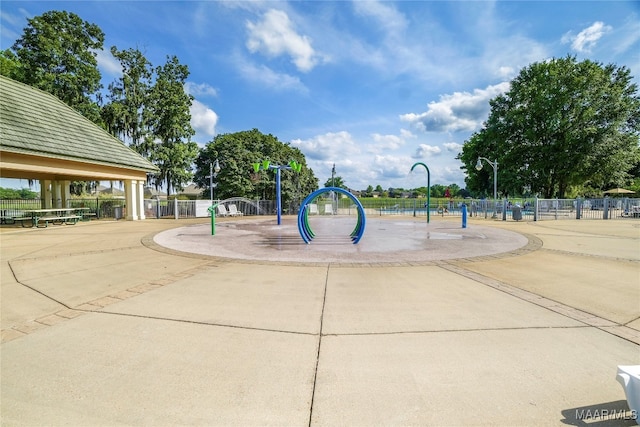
(384, 241)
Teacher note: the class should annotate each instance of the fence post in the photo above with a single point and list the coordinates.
(176, 214)
(605, 208)
(535, 209)
(504, 209)
(578, 207)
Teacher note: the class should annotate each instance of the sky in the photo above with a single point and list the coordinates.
(370, 86)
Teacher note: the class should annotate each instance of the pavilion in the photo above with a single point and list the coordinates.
(42, 138)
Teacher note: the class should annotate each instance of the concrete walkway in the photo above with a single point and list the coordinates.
(102, 326)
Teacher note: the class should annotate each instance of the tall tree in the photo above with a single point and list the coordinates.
(562, 123)
(10, 65)
(336, 181)
(236, 152)
(57, 53)
(126, 114)
(170, 126)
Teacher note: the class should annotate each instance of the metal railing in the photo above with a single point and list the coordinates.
(533, 209)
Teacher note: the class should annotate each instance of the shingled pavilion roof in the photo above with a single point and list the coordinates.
(43, 138)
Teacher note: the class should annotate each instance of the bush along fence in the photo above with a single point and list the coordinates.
(533, 209)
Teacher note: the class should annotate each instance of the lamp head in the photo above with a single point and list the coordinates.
(478, 164)
(216, 167)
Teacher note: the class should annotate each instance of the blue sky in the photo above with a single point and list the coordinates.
(370, 86)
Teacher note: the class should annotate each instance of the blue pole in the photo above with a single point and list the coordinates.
(266, 166)
(464, 215)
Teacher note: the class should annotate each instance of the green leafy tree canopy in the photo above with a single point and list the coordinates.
(57, 53)
(236, 153)
(563, 123)
(336, 181)
(126, 115)
(170, 126)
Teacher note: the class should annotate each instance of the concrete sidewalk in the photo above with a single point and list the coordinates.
(100, 326)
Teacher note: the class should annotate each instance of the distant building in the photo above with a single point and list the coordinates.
(152, 193)
(192, 191)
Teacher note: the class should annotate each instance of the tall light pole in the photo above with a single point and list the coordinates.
(333, 174)
(494, 165)
(213, 172)
(428, 189)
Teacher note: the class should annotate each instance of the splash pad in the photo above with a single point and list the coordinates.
(387, 241)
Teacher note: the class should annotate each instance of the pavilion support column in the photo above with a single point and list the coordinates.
(56, 193)
(66, 193)
(140, 198)
(130, 194)
(45, 193)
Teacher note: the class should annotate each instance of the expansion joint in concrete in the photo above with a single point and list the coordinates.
(584, 317)
(315, 372)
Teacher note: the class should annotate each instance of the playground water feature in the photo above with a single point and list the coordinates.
(388, 239)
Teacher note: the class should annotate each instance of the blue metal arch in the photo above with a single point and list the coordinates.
(303, 215)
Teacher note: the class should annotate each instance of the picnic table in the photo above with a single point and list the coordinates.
(46, 216)
(85, 214)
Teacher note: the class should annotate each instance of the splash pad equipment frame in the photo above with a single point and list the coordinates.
(428, 188)
(304, 228)
(266, 165)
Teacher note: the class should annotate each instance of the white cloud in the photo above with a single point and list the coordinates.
(425, 150)
(450, 175)
(587, 38)
(200, 89)
(629, 34)
(203, 119)
(460, 111)
(268, 78)
(389, 167)
(331, 145)
(387, 142)
(275, 36)
(360, 168)
(339, 148)
(406, 134)
(386, 16)
(506, 72)
(107, 63)
(453, 147)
